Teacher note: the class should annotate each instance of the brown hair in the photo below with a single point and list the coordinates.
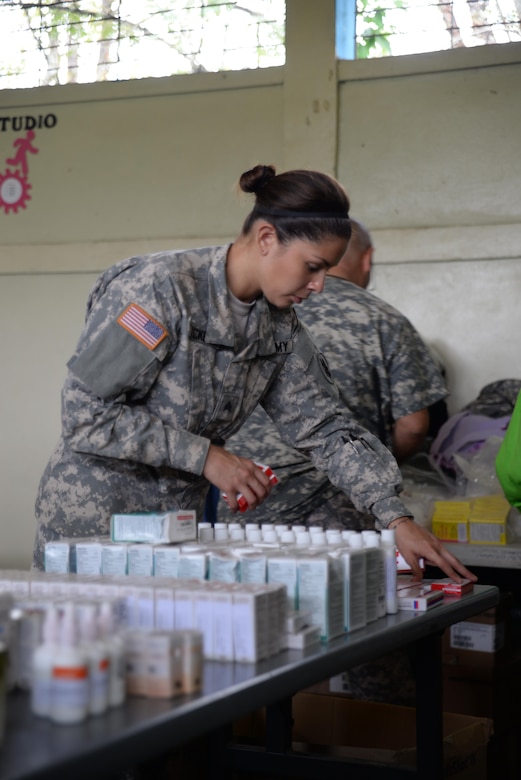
(299, 204)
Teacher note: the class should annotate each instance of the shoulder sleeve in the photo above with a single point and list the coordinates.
(105, 399)
(303, 403)
(124, 355)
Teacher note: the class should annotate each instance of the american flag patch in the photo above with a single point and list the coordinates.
(142, 326)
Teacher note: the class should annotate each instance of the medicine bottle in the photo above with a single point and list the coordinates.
(43, 660)
(70, 673)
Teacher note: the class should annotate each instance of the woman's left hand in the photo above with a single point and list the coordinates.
(415, 542)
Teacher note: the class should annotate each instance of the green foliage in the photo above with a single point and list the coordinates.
(373, 27)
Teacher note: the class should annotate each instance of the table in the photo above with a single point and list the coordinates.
(495, 556)
(144, 730)
(499, 565)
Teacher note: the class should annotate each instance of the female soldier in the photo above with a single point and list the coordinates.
(179, 347)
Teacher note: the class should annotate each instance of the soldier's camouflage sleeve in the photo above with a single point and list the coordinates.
(119, 358)
(303, 403)
(382, 367)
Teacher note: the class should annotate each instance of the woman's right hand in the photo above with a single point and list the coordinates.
(233, 474)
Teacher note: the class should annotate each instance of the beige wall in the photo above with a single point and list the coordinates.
(427, 147)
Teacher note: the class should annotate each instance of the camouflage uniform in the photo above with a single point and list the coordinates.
(383, 371)
(143, 399)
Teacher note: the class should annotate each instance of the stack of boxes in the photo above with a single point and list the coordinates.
(482, 677)
(480, 520)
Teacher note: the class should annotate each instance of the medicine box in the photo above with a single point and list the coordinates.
(452, 588)
(88, 557)
(152, 527)
(222, 617)
(354, 575)
(163, 665)
(488, 520)
(114, 559)
(402, 567)
(283, 569)
(253, 566)
(164, 599)
(204, 619)
(303, 638)
(250, 623)
(166, 560)
(321, 592)
(450, 520)
(223, 566)
(193, 565)
(418, 597)
(475, 648)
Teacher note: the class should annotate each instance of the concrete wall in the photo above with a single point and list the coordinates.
(427, 147)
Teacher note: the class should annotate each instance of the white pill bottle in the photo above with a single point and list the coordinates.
(70, 673)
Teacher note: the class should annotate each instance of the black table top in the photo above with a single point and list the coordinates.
(36, 749)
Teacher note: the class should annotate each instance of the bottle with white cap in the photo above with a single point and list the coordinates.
(254, 534)
(303, 539)
(221, 533)
(287, 538)
(205, 532)
(333, 536)
(70, 673)
(318, 539)
(43, 660)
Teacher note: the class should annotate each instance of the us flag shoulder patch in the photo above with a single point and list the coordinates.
(141, 325)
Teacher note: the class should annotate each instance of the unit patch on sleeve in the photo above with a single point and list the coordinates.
(141, 325)
(325, 367)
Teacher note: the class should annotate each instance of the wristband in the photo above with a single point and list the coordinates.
(394, 527)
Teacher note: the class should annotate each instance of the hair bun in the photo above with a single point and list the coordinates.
(255, 179)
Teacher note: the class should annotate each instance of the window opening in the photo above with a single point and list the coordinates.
(395, 27)
(58, 42)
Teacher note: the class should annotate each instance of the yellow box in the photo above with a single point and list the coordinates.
(488, 531)
(458, 509)
(488, 520)
(450, 520)
(451, 530)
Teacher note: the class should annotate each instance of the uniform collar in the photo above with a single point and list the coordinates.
(266, 324)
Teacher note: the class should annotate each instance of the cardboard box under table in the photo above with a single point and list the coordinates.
(482, 678)
(377, 736)
(476, 647)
